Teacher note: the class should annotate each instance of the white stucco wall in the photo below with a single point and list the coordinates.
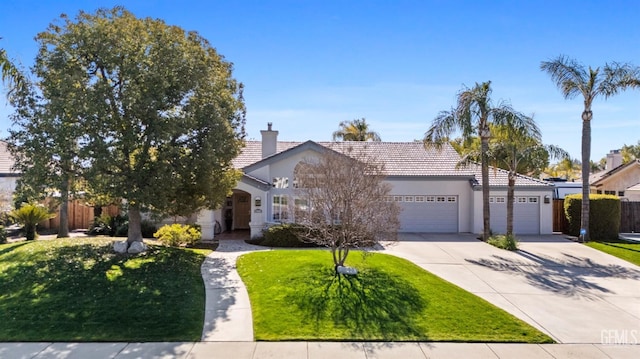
(546, 209)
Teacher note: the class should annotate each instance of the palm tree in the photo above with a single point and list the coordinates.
(10, 74)
(29, 215)
(573, 79)
(356, 130)
(519, 150)
(472, 116)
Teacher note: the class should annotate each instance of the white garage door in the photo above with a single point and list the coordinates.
(428, 213)
(526, 214)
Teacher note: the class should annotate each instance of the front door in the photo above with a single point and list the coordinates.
(241, 210)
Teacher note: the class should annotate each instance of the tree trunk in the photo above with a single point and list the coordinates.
(135, 231)
(586, 157)
(63, 228)
(510, 200)
(486, 222)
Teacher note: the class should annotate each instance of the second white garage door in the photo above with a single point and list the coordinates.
(526, 215)
(428, 213)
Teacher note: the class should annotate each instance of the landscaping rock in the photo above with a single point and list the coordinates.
(120, 247)
(137, 247)
(347, 270)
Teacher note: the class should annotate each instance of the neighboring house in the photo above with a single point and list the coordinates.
(435, 196)
(617, 179)
(8, 177)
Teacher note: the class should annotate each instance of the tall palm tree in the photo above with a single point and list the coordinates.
(472, 116)
(356, 130)
(10, 74)
(520, 150)
(573, 79)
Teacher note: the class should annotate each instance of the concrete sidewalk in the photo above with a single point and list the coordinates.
(313, 350)
(572, 292)
(227, 309)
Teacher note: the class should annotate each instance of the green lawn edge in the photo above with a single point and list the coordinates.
(629, 252)
(295, 296)
(78, 289)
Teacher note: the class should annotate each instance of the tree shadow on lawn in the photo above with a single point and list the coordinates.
(372, 305)
(569, 276)
(87, 292)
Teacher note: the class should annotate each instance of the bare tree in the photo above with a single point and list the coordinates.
(344, 203)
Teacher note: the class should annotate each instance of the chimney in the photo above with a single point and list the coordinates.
(269, 141)
(614, 160)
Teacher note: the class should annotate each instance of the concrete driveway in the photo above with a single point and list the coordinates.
(573, 293)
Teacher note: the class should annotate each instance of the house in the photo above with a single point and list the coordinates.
(8, 177)
(617, 179)
(434, 195)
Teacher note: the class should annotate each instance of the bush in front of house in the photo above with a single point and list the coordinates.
(604, 216)
(177, 235)
(508, 242)
(283, 235)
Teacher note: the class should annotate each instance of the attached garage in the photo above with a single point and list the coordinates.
(526, 214)
(428, 213)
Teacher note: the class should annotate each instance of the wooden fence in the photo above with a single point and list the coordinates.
(80, 216)
(629, 216)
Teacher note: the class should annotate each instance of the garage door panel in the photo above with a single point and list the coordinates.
(526, 216)
(429, 216)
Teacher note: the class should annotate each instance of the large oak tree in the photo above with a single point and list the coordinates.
(158, 116)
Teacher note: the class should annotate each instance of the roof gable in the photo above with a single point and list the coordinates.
(618, 171)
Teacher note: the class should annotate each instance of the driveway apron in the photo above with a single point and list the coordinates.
(571, 292)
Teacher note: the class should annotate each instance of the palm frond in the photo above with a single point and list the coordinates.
(567, 74)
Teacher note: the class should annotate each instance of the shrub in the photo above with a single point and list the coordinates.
(178, 235)
(147, 229)
(508, 242)
(284, 235)
(3, 235)
(101, 225)
(604, 216)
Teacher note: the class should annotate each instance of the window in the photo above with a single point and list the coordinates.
(522, 199)
(431, 199)
(452, 199)
(620, 193)
(419, 198)
(492, 199)
(280, 208)
(397, 198)
(388, 199)
(408, 198)
(280, 182)
(440, 199)
(533, 199)
(599, 192)
(500, 200)
(610, 192)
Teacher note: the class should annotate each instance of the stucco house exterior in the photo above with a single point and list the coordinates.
(618, 179)
(434, 195)
(8, 177)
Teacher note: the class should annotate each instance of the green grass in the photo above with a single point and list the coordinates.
(80, 290)
(502, 241)
(295, 296)
(628, 251)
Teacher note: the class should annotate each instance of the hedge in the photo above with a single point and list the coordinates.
(604, 216)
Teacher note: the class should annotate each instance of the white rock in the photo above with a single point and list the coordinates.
(347, 270)
(120, 246)
(137, 247)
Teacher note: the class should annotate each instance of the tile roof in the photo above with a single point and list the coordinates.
(407, 159)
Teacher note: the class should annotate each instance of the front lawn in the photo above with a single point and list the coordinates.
(628, 251)
(80, 290)
(295, 296)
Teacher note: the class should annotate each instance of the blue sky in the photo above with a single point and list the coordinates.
(307, 65)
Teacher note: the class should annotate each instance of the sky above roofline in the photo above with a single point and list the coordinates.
(307, 65)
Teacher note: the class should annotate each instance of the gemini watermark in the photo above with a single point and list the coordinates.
(620, 336)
